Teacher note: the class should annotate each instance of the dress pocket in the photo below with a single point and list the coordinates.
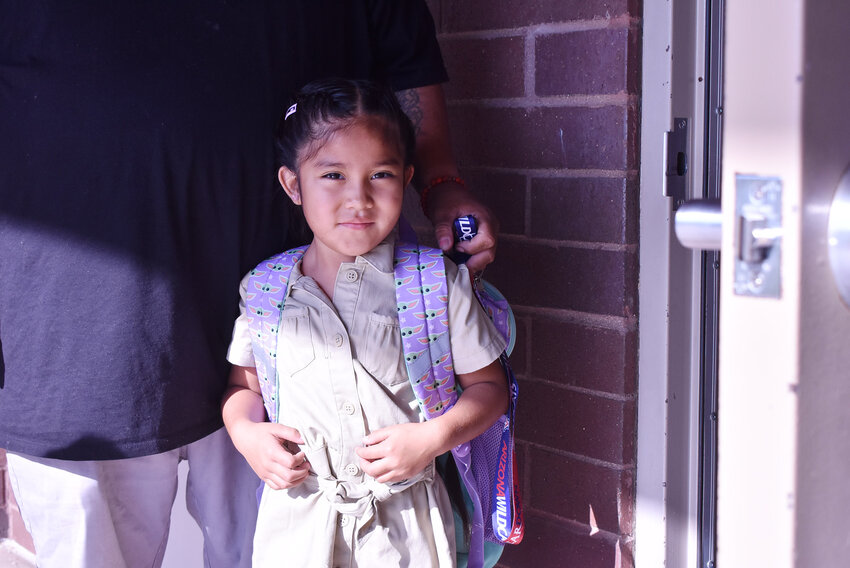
(295, 341)
(382, 356)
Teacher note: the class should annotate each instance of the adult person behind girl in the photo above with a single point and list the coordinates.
(360, 487)
(136, 188)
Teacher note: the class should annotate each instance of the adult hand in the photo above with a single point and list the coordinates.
(448, 201)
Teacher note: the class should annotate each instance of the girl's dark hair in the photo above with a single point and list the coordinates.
(324, 106)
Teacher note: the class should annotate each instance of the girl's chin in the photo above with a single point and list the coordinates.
(356, 248)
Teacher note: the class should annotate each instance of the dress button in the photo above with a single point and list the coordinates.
(352, 469)
(338, 340)
(351, 276)
(344, 520)
(348, 407)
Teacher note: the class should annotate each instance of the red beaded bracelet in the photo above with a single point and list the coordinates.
(423, 196)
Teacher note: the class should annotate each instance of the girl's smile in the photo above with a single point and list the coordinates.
(357, 225)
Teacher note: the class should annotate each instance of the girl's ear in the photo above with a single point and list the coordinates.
(408, 175)
(289, 182)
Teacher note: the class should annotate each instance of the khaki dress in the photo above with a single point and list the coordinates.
(342, 375)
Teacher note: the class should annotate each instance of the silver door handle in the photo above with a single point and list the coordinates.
(697, 224)
(758, 234)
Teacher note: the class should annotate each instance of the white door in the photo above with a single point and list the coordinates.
(784, 419)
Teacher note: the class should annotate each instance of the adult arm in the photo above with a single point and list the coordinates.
(426, 107)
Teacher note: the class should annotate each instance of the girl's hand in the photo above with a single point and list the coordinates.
(401, 451)
(268, 448)
(271, 452)
(398, 452)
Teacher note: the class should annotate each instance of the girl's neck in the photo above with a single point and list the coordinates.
(322, 265)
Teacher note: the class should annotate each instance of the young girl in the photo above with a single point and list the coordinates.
(349, 469)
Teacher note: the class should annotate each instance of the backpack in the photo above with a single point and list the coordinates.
(485, 464)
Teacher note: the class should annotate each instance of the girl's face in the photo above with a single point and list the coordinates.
(351, 189)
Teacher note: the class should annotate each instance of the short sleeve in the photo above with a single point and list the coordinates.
(240, 351)
(405, 44)
(475, 340)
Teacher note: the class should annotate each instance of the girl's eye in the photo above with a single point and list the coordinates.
(333, 175)
(381, 175)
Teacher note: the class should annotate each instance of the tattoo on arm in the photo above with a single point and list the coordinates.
(412, 106)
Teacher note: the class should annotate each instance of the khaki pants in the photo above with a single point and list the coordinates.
(116, 513)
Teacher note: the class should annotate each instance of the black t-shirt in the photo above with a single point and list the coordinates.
(137, 186)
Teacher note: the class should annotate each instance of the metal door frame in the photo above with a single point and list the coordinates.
(707, 511)
(674, 519)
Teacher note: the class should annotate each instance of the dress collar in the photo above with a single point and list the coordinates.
(380, 257)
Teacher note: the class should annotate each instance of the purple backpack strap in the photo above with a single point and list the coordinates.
(421, 293)
(267, 288)
(420, 278)
(486, 463)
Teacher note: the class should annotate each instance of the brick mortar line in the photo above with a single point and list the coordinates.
(601, 534)
(562, 244)
(527, 207)
(622, 468)
(556, 173)
(525, 377)
(588, 319)
(532, 102)
(558, 244)
(530, 66)
(550, 173)
(624, 21)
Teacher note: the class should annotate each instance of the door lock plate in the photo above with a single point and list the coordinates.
(759, 236)
(676, 162)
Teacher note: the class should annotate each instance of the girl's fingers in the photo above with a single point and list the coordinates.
(293, 465)
(369, 453)
(376, 437)
(373, 468)
(381, 471)
(295, 460)
(273, 482)
(284, 476)
(287, 433)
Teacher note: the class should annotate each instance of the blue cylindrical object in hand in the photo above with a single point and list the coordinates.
(465, 228)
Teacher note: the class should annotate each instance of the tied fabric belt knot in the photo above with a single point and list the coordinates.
(359, 500)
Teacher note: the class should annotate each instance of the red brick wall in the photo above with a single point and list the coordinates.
(544, 101)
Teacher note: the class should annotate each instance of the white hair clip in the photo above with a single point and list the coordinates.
(290, 111)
